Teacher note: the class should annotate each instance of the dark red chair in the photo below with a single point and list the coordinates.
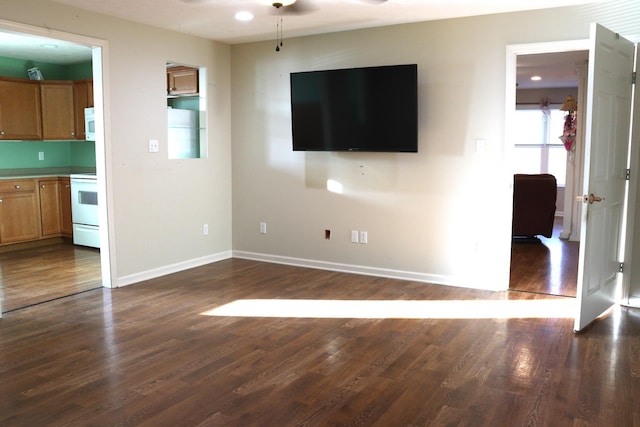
(534, 205)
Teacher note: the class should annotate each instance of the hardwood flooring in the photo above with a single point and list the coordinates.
(35, 275)
(153, 354)
(547, 266)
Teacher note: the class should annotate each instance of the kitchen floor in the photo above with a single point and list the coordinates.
(35, 275)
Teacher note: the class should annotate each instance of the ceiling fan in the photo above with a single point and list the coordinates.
(297, 7)
(300, 7)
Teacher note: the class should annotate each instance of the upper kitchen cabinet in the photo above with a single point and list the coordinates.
(182, 80)
(58, 116)
(83, 98)
(20, 109)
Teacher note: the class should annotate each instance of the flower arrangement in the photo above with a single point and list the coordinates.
(568, 137)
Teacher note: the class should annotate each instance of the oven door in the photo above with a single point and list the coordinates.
(84, 201)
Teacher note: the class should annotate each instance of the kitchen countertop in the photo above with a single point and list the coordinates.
(41, 173)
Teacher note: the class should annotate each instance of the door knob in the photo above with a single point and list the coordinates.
(589, 199)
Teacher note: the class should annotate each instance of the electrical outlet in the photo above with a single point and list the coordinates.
(354, 236)
(205, 229)
(364, 237)
(263, 228)
(40, 155)
(154, 146)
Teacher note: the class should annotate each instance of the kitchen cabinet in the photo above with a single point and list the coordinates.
(83, 98)
(182, 80)
(58, 115)
(19, 213)
(65, 207)
(50, 213)
(20, 106)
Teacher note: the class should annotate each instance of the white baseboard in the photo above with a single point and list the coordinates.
(172, 268)
(346, 268)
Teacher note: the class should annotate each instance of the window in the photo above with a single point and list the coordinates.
(539, 148)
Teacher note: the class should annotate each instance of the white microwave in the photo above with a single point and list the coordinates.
(89, 124)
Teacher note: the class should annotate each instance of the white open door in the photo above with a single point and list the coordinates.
(608, 105)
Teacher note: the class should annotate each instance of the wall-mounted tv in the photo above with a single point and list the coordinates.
(356, 109)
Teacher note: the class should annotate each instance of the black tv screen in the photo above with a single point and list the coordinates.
(356, 109)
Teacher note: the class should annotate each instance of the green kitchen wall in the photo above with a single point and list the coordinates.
(12, 67)
(57, 154)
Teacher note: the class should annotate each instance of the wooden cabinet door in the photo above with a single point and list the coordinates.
(83, 98)
(66, 223)
(182, 80)
(19, 217)
(20, 109)
(58, 118)
(50, 218)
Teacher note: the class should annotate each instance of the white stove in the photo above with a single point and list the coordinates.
(84, 209)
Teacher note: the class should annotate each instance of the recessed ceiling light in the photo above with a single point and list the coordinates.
(536, 78)
(244, 16)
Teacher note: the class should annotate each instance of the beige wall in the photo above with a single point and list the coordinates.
(441, 215)
(159, 205)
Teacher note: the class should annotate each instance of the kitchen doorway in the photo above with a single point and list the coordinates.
(73, 268)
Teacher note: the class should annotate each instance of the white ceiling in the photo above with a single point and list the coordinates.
(214, 19)
(557, 70)
(35, 48)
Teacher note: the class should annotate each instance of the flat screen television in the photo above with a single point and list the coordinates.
(356, 109)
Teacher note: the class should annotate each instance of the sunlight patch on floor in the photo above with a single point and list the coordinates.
(397, 309)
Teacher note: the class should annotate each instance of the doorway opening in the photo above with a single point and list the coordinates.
(32, 275)
(539, 77)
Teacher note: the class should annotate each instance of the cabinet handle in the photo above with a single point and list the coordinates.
(67, 186)
(42, 186)
(0, 200)
(17, 187)
(1, 132)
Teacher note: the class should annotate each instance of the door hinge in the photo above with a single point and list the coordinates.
(621, 268)
(627, 174)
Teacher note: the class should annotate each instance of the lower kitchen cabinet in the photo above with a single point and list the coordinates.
(19, 212)
(50, 218)
(65, 206)
(33, 209)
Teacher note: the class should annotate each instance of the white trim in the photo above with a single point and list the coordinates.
(347, 268)
(632, 302)
(172, 268)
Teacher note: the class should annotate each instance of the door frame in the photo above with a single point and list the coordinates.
(100, 60)
(513, 50)
(633, 196)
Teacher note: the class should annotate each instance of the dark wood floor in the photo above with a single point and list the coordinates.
(153, 354)
(548, 265)
(32, 276)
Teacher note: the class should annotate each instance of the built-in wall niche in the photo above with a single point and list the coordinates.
(186, 111)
